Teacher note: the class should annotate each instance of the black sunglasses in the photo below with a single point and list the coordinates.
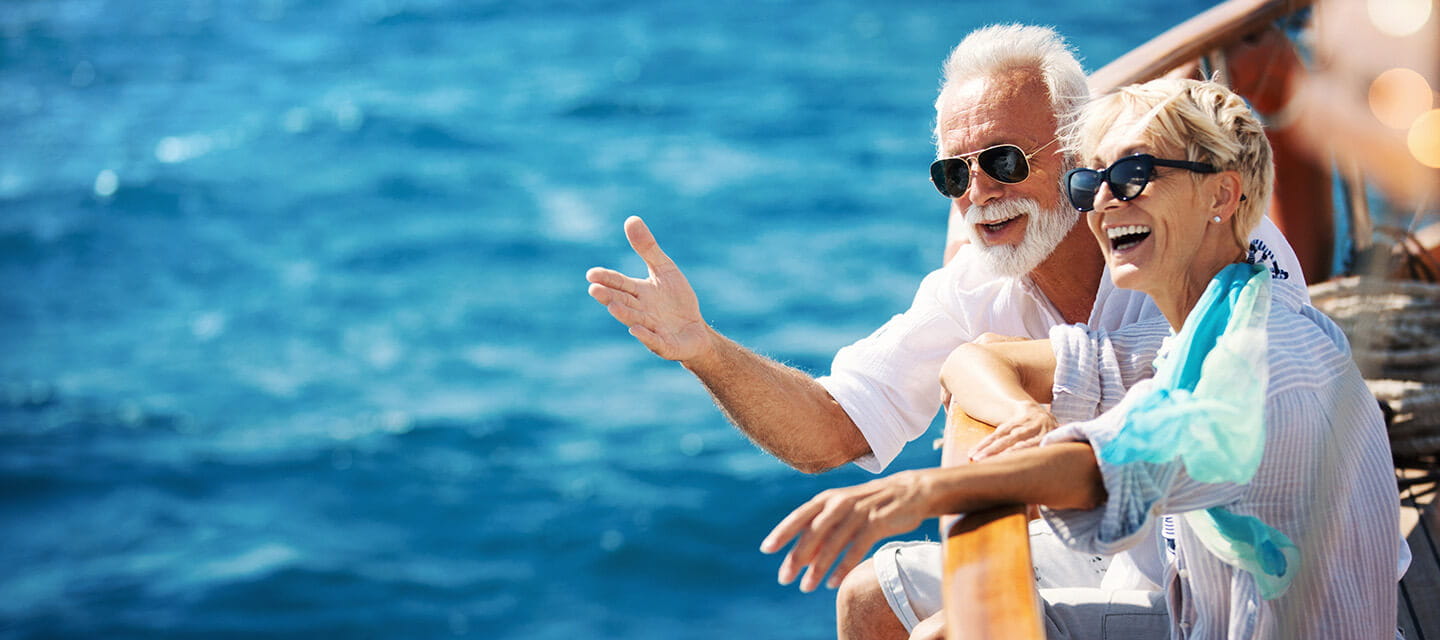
(1006, 163)
(1127, 177)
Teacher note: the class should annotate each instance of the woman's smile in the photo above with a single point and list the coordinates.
(1127, 237)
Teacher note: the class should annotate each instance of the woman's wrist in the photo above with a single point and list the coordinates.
(1026, 409)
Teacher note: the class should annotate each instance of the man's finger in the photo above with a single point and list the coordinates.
(832, 543)
(603, 294)
(790, 526)
(858, 548)
(610, 278)
(644, 244)
(832, 513)
(650, 339)
(629, 316)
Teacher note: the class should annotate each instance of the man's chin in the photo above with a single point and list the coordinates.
(1006, 260)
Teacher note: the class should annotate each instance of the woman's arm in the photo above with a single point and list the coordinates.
(1004, 384)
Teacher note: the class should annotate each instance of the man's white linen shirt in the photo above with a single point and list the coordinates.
(889, 382)
(1326, 467)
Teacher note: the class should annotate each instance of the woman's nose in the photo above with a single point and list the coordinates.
(1105, 198)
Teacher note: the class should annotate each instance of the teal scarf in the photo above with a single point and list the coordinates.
(1206, 408)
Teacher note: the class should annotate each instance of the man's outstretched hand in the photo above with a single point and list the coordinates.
(846, 521)
(661, 309)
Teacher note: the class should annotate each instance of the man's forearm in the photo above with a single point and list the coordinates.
(780, 408)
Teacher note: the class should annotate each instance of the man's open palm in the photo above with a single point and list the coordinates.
(661, 309)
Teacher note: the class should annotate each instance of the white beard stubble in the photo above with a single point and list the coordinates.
(1043, 233)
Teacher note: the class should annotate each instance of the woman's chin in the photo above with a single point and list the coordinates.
(1128, 275)
(1131, 268)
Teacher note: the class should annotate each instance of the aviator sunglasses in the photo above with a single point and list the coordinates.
(1127, 177)
(1006, 163)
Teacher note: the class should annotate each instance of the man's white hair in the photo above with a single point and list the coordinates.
(1004, 47)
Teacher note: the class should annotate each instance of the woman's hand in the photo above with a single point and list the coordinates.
(1020, 432)
(847, 520)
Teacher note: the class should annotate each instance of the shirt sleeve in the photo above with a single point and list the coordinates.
(1136, 493)
(889, 382)
(1094, 367)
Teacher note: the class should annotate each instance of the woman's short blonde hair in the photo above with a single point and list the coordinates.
(1206, 120)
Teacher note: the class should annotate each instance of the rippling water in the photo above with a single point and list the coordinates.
(294, 328)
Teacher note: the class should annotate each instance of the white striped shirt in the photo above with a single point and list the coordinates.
(1326, 481)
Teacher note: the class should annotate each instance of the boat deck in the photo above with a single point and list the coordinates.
(1419, 610)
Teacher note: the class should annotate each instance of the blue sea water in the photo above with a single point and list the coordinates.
(294, 335)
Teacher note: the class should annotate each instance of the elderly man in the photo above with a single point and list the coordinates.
(1025, 268)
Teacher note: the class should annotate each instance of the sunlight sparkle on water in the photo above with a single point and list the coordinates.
(173, 149)
(106, 183)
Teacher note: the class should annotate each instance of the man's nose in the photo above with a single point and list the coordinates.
(983, 188)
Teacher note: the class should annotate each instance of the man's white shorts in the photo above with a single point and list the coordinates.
(1068, 583)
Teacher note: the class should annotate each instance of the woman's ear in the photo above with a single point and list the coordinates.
(1225, 193)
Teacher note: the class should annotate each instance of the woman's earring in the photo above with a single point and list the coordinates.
(1215, 219)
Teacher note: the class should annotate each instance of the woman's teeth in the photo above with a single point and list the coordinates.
(1122, 238)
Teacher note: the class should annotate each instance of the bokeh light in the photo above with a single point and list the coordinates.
(1424, 139)
(1399, 18)
(1398, 96)
(106, 183)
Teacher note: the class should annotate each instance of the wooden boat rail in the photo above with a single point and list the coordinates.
(989, 585)
(1198, 37)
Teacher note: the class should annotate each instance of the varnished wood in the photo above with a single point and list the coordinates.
(989, 580)
(1418, 614)
(1215, 29)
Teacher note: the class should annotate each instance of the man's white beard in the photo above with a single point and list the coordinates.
(1043, 233)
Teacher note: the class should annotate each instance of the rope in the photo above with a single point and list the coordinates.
(1394, 332)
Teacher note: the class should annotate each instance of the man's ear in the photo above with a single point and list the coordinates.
(1225, 193)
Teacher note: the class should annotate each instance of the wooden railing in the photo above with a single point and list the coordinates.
(989, 584)
(1220, 27)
